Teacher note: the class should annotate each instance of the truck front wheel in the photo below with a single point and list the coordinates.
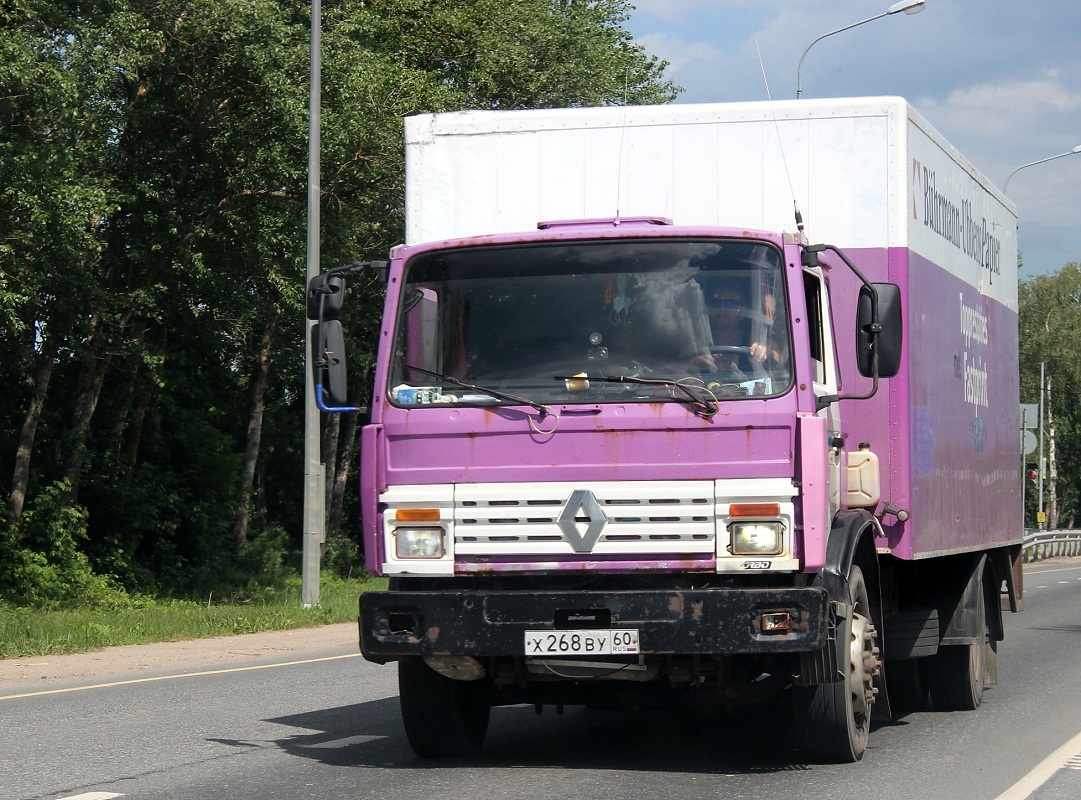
(835, 718)
(443, 717)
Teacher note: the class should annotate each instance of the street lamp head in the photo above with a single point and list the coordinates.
(1075, 151)
(908, 6)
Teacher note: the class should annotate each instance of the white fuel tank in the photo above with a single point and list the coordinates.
(864, 481)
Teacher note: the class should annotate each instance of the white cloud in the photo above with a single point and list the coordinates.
(676, 10)
(677, 51)
(1000, 107)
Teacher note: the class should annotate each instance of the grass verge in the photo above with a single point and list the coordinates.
(58, 631)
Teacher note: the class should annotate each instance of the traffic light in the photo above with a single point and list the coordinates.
(1032, 474)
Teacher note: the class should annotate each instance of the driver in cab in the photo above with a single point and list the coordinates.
(733, 351)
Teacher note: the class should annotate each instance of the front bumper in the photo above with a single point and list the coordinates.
(679, 622)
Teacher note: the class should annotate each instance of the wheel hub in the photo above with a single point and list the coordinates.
(864, 664)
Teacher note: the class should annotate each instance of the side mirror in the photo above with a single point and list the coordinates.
(328, 365)
(886, 337)
(326, 296)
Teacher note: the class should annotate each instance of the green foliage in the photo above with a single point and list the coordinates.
(266, 559)
(1050, 335)
(343, 557)
(41, 557)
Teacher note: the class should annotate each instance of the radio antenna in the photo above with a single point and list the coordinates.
(776, 125)
(622, 136)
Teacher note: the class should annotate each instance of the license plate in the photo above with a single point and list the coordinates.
(581, 643)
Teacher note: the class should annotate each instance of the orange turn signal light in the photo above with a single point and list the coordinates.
(754, 510)
(417, 515)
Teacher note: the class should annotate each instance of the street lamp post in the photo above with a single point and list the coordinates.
(314, 520)
(908, 6)
(1040, 161)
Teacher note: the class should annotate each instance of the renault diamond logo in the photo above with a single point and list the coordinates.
(582, 507)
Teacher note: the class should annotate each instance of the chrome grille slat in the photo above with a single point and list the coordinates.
(641, 518)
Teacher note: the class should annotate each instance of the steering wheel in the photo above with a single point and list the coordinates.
(729, 350)
(742, 359)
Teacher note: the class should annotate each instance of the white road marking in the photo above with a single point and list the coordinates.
(1043, 570)
(346, 742)
(93, 796)
(176, 677)
(1066, 754)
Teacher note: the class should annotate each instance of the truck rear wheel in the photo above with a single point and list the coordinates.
(443, 717)
(835, 718)
(955, 675)
(906, 685)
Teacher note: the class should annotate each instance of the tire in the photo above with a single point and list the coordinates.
(443, 718)
(955, 675)
(835, 718)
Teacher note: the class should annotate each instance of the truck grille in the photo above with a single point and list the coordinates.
(601, 519)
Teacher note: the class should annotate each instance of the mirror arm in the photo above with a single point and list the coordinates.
(811, 259)
(322, 404)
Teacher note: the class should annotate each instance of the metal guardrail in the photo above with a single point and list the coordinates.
(1051, 544)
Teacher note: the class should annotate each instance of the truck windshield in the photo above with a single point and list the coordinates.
(541, 320)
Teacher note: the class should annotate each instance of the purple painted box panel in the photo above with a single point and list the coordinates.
(946, 427)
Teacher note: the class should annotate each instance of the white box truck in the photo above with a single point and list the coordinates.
(639, 434)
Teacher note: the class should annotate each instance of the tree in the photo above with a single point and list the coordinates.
(55, 192)
(1050, 334)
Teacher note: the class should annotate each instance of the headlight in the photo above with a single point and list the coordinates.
(419, 542)
(756, 538)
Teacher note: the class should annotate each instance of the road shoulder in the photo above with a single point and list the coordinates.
(147, 659)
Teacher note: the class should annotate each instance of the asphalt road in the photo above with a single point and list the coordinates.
(325, 724)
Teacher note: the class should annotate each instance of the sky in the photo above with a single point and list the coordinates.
(999, 79)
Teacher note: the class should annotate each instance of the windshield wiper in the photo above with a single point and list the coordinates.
(703, 401)
(543, 409)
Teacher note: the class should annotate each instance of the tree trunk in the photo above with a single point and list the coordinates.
(330, 435)
(21, 477)
(134, 434)
(95, 367)
(256, 409)
(91, 379)
(128, 419)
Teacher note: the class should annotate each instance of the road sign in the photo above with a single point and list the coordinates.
(1028, 443)
(1030, 415)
